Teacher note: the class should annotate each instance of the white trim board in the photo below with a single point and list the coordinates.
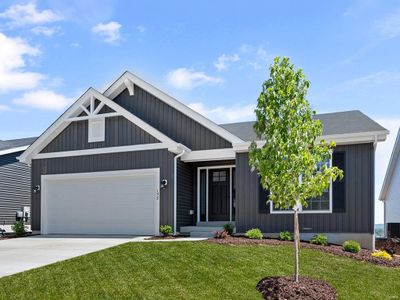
(13, 150)
(209, 155)
(120, 84)
(94, 151)
(75, 109)
(339, 139)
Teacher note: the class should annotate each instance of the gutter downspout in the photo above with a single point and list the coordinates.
(175, 184)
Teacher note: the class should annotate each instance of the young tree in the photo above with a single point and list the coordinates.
(290, 163)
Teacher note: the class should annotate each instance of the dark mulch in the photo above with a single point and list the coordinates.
(363, 255)
(390, 245)
(280, 288)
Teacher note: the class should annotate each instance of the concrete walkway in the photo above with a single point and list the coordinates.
(21, 254)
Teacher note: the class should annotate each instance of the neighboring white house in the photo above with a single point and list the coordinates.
(390, 193)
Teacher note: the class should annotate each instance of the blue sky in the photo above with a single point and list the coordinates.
(212, 55)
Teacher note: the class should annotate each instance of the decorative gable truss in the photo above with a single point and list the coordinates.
(90, 107)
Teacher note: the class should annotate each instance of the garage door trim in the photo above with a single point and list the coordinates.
(45, 179)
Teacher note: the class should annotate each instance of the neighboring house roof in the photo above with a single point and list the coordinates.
(11, 146)
(394, 160)
(337, 123)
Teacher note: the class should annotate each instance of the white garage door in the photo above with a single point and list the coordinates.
(116, 202)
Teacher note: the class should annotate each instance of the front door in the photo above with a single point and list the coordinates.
(219, 194)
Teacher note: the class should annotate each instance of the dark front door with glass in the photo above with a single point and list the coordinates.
(219, 194)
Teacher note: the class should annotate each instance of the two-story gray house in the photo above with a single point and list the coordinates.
(132, 158)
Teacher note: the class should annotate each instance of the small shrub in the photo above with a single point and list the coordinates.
(351, 246)
(254, 233)
(221, 234)
(382, 254)
(228, 227)
(285, 236)
(166, 230)
(319, 239)
(19, 228)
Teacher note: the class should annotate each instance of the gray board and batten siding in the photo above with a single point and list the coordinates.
(173, 123)
(356, 217)
(108, 162)
(15, 189)
(118, 132)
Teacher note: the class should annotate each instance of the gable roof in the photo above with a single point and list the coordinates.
(127, 79)
(72, 113)
(394, 160)
(16, 145)
(337, 123)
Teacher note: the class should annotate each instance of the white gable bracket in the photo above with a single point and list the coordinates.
(130, 86)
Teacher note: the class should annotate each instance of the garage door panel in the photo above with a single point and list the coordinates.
(108, 204)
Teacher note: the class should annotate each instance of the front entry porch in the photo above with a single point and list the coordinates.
(216, 193)
(215, 200)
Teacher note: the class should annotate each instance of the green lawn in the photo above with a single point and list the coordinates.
(193, 270)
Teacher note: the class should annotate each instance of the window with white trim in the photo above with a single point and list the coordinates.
(96, 130)
(320, 204)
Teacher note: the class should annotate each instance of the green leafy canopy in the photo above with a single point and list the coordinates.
(287, 162)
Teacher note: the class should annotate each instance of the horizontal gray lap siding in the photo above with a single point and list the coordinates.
(357, 218)
(108, 162)
(118, 132)
(15, 191)
(170, 121)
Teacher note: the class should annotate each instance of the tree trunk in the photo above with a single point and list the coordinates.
(296, 244)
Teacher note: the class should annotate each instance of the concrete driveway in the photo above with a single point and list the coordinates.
(21, 254)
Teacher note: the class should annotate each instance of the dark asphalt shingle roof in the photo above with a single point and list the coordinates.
(353, 121)
(9, 144)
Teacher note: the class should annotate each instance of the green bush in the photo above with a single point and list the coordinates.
(228, 227)
(166, 230)
(285, 236)
(351, 246)
(319, 239)
(19, 228)
(254, 233)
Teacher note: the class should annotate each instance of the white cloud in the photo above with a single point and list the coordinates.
(183, 78)
(223, 62)
(141, 28)
(43, 99)
(4, 108)
(12, 54)
(44, 30)
(389, 26)
(223, 114)
(23, 14)
(256, 57)
(110, 32)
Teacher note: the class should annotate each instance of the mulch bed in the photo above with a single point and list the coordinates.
(277, 288)
(363, 255)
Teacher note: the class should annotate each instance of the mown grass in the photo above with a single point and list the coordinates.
(193, 270)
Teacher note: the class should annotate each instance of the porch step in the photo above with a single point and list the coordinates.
(215, 223)
(205, 234)
(203, 229)
(190, 229)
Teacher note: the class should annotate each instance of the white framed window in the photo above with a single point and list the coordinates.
(97, 129)
(320, 204)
